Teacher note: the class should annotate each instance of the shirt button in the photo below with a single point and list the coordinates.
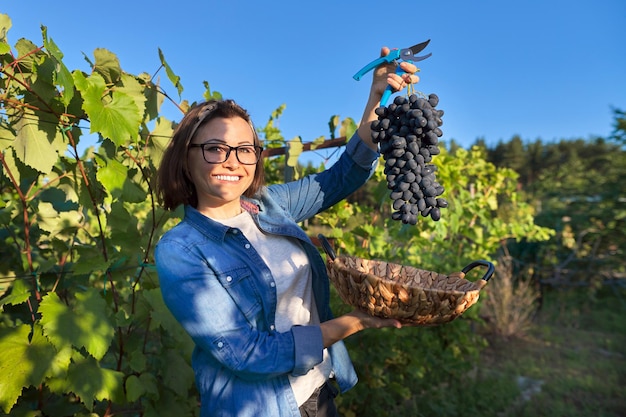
(272, 284)
(235, 231)
(229, 278)
(220, 344)
(247, 246)
(272, 327)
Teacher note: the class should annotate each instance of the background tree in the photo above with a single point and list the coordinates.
(619, 131)
(577, 189)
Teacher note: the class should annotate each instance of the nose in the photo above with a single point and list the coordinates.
(232, 160)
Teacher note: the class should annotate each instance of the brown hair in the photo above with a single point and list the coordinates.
(173, 182)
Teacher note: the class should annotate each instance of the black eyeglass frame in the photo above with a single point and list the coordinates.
(258, 150)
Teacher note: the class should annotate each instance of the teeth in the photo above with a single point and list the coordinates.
(227, 177)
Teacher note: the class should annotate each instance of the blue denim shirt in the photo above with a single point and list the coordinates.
(221, 291)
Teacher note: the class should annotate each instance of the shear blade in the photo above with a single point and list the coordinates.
(416, 49)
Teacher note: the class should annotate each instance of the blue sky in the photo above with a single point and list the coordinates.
(549, 69)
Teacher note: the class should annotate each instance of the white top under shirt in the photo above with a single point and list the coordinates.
(295, 302)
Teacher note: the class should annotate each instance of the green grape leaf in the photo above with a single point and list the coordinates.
(13, 166)
(7, 136)
(118, 120)
(124, 232)
(177, 373)
(150, 385)
(294, 149)
(114, 116)
(112, 176)
(107, 65)
(62, 198)
(60, 363)
(62, 74)
(154, 99)
(4, 48)
(210, 95)
(135, 90)
(5, 25)
(92, 86)
(133, 192)
(134, 388)
(86, 325)
(31, 144)
(160, 137)
(137, 361)
(91, 382)
(174, 79)
(24, 48)
(53, 222)
(332, 125)
(348, 127)
(90, 260)
(317, 142)
(20, 291)
(161, 316)
(22, 363)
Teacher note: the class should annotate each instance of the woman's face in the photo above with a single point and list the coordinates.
(220, 185)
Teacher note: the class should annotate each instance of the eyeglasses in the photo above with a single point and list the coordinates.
(214, 153)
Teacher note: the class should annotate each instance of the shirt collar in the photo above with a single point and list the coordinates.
(208, 227)
(211, 228)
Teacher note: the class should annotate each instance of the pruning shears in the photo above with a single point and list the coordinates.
(396, 56)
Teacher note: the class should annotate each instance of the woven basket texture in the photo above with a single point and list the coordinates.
(408, 294)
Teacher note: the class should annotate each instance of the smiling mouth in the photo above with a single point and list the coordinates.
(232, 178)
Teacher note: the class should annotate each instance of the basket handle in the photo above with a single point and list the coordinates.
(326, 245)
(489, 265)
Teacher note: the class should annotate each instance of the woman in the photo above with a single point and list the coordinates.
(243, 278)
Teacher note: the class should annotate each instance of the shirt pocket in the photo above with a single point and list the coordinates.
(242, 287)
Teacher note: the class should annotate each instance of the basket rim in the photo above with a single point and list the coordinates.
(339, 265)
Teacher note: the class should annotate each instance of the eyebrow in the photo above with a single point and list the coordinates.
(222, 141)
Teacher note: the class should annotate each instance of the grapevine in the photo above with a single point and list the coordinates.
(408, 132)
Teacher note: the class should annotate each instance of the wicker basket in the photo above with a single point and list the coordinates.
(410, 295)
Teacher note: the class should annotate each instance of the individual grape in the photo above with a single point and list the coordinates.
(381, 111)
(433, 100)
(435, 213)
(396, 195)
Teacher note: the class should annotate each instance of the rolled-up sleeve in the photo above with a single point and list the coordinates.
(309, 348)
(361, 154)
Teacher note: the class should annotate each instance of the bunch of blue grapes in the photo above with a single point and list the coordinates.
(407, 132)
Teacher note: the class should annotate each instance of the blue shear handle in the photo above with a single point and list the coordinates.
(371, 66)
(392, 56)
(385, 97)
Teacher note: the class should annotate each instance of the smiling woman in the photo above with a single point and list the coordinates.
(220, 176)
(213, 122)
(244, 279)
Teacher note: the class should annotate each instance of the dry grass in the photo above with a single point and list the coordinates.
(510, 302)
